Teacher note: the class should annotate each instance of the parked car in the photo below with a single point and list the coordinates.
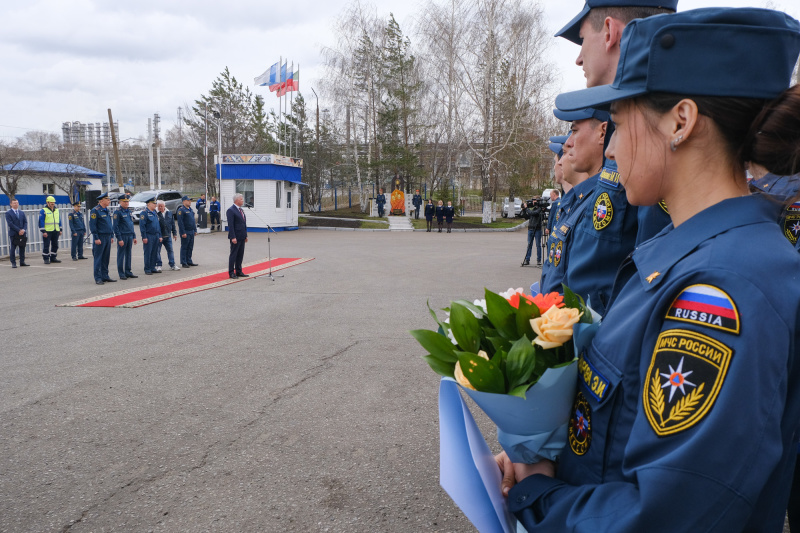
(517, 209)
(138, 202)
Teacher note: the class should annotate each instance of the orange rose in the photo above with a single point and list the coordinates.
(459, 375)
(554, 327)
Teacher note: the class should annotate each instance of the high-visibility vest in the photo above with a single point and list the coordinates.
(52, 220)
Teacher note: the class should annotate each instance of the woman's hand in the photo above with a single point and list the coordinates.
(515, 472)
(507, 469)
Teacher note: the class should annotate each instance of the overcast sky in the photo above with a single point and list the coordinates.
(71, 60)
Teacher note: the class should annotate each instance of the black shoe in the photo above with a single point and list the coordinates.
(83, 258)
(242, 275)
(193, 264)
(13, 266)
(184, 265)
(54, 260)
(109, 280)
(233, 276)
(525, 263)
(123, 277)
(74, 258)
(99, 282)
(23, 264)
(156, 272)
(46, 261)
(148, 273)
(538, 263)
(131, 276)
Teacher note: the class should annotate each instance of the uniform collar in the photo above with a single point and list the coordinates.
(657, 256)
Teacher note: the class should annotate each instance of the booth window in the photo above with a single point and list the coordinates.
(289, 198)
(278, 190)
(246, 188)
(48, 188)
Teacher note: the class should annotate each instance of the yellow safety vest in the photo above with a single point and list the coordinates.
(52, 220)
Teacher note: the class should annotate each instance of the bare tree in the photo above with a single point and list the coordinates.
(13, 169)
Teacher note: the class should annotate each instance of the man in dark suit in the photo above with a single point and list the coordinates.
(17, 224)
(237, 233)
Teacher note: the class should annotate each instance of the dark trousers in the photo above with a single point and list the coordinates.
(50, 245)
(214, 216)
(416, 212)
(187, 245)
(150, 252)
(380, 210)
(534, 239)
(18, 241)
(166, 242)
(124, 255)
(77, 244)
(102, 254)
(794, 499)
(235, 258)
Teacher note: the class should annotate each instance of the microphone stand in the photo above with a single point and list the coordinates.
(269, 244)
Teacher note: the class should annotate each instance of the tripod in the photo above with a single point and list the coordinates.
(269, 244)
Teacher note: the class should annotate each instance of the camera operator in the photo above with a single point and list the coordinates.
(534, 211)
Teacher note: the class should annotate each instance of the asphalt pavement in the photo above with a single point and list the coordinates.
(300, 404)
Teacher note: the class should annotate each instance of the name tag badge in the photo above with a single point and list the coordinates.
(609, 177)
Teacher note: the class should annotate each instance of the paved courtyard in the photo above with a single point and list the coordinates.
(295, 405)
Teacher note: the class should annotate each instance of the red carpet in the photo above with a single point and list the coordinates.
(163, 291)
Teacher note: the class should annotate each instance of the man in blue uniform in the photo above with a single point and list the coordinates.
(77, 227)
(151, 236)
(50, 226)
(126, 237)
(187, 229)
(687, 413)
(381, 201)
(214, 210)
(167, 223)
(101, 226)
(417, 202)
(532, 212)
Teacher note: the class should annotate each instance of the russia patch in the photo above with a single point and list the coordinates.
(705, 305)
(603, 212)
(579, 430)
(686, 373)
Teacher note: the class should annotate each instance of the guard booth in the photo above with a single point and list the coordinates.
(270, 185)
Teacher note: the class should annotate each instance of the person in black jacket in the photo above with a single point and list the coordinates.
(533, 213)
(449, 212)
(430, 210)
(417, 202)
(440, 215)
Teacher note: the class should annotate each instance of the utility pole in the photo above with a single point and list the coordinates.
(150, 152)
(116, 151)
(180, 144)
(157, 130)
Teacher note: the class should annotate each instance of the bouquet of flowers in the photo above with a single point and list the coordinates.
(515, 356)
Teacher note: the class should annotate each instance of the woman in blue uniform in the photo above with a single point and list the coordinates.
(449, 213)
(688, 401)
(430, 210)
(440, 215)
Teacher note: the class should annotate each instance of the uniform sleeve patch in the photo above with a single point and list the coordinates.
(610, 177)
(94, 215)
(603, 212)
(595, 382)
(791, 222)
(559, 251)
(705, 305)
(686, 373)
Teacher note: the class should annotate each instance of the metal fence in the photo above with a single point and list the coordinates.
(35, 236)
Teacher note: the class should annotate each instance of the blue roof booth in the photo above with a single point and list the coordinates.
(270, 184)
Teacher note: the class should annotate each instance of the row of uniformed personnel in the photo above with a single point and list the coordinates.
(697, 424)
(155, 231)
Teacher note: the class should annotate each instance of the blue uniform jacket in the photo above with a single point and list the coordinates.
(381, 199)
(417, 200)
(100, 222)
(783, 189)
(560, 214)
(149, 225)
(430, 210)
(186, 222)
(200, 203)
(449, 212)
(76, 222)
(123, 223)
(688, 400)
(439, 213)
(214, 206)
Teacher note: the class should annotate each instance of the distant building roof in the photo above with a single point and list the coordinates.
(52, 168)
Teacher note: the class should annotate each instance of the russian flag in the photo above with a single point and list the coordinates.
(707, 305)
(601, 211)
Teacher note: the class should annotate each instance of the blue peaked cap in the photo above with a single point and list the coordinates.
(557, 144)
(572, 30)
(582, 114)
(726, 52)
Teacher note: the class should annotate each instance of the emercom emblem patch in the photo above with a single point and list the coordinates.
(603, 212)
(559, 250)
(579, 431)
(685, 376)
(791, 222)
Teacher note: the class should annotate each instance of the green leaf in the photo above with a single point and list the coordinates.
(499, 344)
(519, 391)
(465, 328)
(527, 310)
(576, 302)
(433, 314)
(502, 315)
(472, 307)
(521, 362)
(484, 375)
(438, 345)
(440, 367)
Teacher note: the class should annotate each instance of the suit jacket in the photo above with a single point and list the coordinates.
(237, 225)
(16, 223)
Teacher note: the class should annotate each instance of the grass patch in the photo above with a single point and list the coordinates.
(471, 223)
(342, 212)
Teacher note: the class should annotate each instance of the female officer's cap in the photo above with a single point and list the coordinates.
(572, 30)
(727, 52)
